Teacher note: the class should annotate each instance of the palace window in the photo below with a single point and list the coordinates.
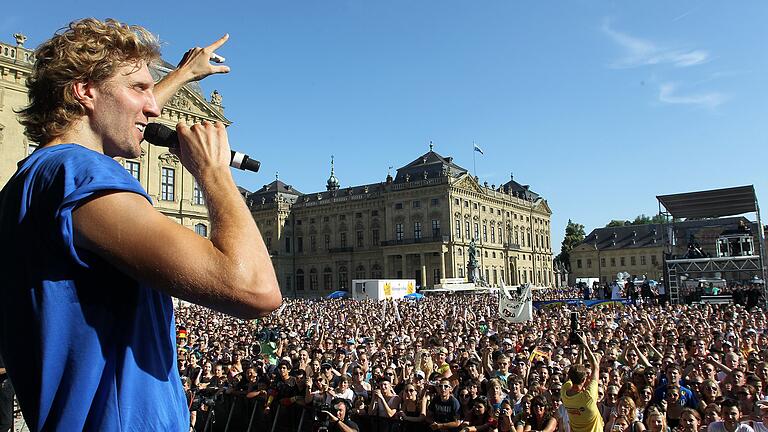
(342, 239)
(313, 279)
(133, 169)
(313, 243)
(417, 230)
(327, 279)
(300, 280)
(375, 237)
(167, 184)
(300, 244)
(197, 195)
(359, 239)
(342, 278)
(458, 228)
(201, 229)
(399, 232)
(435, 227)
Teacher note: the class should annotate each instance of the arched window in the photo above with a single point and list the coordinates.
(343, 278)
(201, 229)
(328, 279)
(360, 272)
(300, 280)
(313, 279)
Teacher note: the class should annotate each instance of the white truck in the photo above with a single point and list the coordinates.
(382, 289)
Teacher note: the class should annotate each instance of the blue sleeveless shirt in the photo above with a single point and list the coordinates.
(86, 346)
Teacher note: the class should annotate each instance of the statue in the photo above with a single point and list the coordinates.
(472, 263)
(216, 98)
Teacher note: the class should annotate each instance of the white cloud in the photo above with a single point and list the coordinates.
(641, 52)
(668, 93)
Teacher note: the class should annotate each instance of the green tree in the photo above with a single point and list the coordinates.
(574, 234)
(639, 220)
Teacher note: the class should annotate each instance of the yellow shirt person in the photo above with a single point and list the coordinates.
(582, 408)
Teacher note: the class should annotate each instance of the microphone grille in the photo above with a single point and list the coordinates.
(159, 134)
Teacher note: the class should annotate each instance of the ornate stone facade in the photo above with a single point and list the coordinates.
(417, 225)
(172, 188)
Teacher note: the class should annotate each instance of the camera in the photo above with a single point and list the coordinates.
(322, 421)
(573, 337)
(268, 335)
(206, 397)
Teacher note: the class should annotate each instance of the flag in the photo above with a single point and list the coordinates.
(478, 149)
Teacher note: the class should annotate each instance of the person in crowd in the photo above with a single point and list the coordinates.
(443, 412)
(579, 393)
(478, 418)
(340, 421)
(541, 418)
(74, 221)
(506, 419)
(690, 421)
(730, 419)
(656, 422)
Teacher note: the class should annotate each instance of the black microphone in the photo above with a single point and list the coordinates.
(163, 136)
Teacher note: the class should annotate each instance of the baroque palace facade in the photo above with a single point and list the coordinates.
(416, 225)
(173, 190)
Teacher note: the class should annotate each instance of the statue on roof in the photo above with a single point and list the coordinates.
(216, 98)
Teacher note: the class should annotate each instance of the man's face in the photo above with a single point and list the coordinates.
(122, 107)
(444, 389)
(341, 411)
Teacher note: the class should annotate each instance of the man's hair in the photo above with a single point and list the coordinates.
(577, 374)
(87, 50)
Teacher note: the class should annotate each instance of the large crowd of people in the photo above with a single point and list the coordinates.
(450, 363)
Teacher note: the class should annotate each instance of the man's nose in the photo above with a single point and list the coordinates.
(151, 109)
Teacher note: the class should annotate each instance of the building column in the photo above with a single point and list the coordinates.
(405, 275)
(442, 262)
(386, 266)
(423, 263)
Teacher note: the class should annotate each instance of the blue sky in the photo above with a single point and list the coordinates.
(599, 106)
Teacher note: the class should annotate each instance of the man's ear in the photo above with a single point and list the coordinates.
(84, 92)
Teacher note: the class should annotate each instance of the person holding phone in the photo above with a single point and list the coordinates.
(580, 394)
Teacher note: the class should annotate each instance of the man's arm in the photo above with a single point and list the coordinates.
(194, 66)
(230, 272)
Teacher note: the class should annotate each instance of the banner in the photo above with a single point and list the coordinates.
(516, 305)
(578, 302)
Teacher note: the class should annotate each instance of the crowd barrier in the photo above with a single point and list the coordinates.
(240, 414)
